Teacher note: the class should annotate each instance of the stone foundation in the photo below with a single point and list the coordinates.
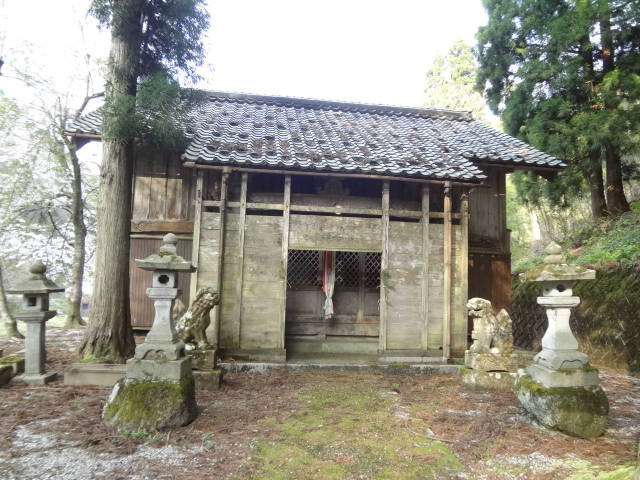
(576, 411)
(5, 374)
(203, 360)
(151, 405)
(475, 380)
(209, 381)
(491, 362)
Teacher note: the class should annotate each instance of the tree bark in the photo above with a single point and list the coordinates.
(109, 335)
(596, 185)
(74, 319)
(10, 323)
(616, 199)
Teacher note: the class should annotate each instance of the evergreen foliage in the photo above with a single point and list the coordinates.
(153, 42)
(564, 77)
(451, 82)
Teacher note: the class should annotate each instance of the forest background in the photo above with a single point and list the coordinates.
(561, 76)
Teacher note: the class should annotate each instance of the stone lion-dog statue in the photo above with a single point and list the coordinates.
(192, 324)
(491, 333)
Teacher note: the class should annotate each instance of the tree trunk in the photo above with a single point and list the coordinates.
(596, 185)
(109, 335)
(616, 199)
(74, 319)
(10, 323)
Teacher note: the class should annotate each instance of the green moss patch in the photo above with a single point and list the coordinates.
(576, 411)
(349, 431)
(150, 405)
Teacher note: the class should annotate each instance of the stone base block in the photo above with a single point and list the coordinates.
(576, 411)
(255, 355)
(491, 362)
(159, 351)
(475, 380)
(94, 374)
(6, 372)
(15, 361)
(562, 359)
(37, 378)
(550, 378)
(204, 360)
(170, 371)
(210, 381)
(151, 405)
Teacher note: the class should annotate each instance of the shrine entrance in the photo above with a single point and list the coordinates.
(333, 294)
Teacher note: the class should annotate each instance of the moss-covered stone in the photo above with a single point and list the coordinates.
(476, 380)
(576, 411)
(150, 405)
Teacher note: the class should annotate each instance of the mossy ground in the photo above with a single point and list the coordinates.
(348, 430)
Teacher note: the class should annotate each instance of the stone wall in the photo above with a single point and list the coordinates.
(606, 323)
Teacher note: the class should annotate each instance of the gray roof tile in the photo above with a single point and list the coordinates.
(303, 134)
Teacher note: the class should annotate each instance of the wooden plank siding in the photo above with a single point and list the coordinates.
(404, 287)
(163, 189)
(142, 310)
(253, 285)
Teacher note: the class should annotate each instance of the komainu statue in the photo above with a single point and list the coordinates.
(193, 323)
(491, 333)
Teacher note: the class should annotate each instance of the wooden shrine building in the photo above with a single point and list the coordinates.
(331, 222)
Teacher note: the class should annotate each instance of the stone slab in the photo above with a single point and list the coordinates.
(15, 361)
(169, 371)
(550, 378)
(37, 378)
(209, 381)
(159, 350)
(475, 380)
(396, 369)
(575, 411)
(491, 362)
(94, 374)
(562, 359)
(6, 373)
(204, 360)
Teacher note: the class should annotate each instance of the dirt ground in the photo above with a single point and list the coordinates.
(296, 425)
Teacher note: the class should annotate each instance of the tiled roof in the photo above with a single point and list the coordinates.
(285, 133)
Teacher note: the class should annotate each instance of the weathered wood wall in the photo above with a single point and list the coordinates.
(142, 310)
(257, 323)
(261, 276)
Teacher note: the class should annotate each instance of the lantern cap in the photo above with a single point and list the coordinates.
(555, 268)
(37, 282)
(167, 258)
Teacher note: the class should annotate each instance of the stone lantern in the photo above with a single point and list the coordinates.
(158, 391)
(162, 341)
(560, 388)
(35, 312)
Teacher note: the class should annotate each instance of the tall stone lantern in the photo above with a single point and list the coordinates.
(35, 312)
(560, 388)
(158, 391)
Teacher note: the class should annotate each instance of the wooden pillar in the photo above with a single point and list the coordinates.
(362, 277)
(384, 266)
(464, 261)
(240, 263)
(195, 253)
(285, 255)
(425, 266)
(223, 215)
(448, 250)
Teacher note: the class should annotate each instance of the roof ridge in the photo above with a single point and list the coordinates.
(338, 104)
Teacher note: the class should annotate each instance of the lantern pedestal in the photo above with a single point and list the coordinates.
(158, 391)
(561, 389)
(35, 312)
